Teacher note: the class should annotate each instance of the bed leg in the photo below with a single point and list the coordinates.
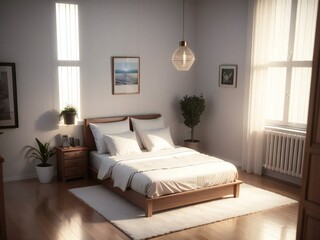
(149, 208)
(236, 190)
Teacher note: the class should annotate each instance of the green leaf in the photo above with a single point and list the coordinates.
(42, 153)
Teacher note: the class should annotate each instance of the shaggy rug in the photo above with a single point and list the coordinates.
(130, 219)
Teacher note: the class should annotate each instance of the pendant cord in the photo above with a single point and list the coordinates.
(183, 20)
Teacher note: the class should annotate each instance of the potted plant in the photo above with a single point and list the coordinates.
(69, 113)
(192, 107)
(42, 153)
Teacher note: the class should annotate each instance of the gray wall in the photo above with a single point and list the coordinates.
(216, 31)
(221, 38)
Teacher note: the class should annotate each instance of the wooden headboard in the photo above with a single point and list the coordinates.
(88, 140)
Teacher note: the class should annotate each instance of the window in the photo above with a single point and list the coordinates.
(291, 33)
(68, 55)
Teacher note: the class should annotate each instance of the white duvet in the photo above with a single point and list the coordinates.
(165, 172)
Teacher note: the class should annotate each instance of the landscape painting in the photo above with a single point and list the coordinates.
(126, 75)
(8, 96)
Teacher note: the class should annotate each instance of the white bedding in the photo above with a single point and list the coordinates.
(164, 172)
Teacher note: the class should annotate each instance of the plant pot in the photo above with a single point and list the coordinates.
(69, 118)
(193, 145)
(45, 174)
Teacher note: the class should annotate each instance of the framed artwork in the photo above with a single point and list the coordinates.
(71, 141)
(125, 75)
(65, 141)
(76, 142)
(228, 76)
(8, 96)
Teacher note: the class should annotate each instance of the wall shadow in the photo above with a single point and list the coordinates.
(48, 121)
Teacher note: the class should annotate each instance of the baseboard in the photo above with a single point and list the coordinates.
(281, 176)
(19, 178)
(24, 177)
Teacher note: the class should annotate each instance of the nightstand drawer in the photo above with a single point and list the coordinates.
(74, 154)
(74, 162)
(73, 171)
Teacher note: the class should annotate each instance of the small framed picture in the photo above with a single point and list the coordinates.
(71, 141)
(228, 76)
(76, 142)
(125, 75)
(8, 96)
(65, 141)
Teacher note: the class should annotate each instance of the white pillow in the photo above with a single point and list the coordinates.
(99, 129)
(122, 143)
(146, 124)
(157, 139)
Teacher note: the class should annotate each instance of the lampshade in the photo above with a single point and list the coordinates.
(183, 57)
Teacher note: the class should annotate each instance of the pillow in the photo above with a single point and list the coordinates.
(157, 139)
(99, 129)
(146, 124)
(122, 143)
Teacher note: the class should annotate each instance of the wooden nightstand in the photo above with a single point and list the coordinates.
(72, 162)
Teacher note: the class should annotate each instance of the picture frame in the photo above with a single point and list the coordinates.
(228, 75)
(65, 141)
(76, 142)
(125, 75)
(8, 96)
(71, 141)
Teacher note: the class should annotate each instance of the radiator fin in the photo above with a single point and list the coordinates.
(284, 152)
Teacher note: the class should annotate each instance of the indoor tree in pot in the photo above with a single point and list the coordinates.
(69, 113)
(192, 107)
(42, 153)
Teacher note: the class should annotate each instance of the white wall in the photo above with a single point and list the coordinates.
(150, 29)
(221, 30)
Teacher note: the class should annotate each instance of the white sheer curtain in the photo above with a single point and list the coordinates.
(263, 43)
(280, 70)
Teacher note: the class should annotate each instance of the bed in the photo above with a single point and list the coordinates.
(159, 195)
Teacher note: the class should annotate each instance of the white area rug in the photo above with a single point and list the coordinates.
(130, 219)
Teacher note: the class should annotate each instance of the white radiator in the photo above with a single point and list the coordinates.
(284, 152)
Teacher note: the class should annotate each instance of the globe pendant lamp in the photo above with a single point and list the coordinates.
(183, 57)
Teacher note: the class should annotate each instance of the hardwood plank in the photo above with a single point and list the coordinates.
(49, 211)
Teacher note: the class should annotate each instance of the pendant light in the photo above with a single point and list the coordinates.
(183, 57)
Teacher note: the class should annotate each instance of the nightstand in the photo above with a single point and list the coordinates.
(72, 162)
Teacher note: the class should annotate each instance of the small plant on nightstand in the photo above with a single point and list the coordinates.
(42, 153)
(192, 107)
(69, 113)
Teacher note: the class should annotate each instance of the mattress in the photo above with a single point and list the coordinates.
(154, 174)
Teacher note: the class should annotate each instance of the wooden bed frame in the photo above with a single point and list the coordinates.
(151, 205)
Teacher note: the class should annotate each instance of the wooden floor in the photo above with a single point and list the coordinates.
(48, 211)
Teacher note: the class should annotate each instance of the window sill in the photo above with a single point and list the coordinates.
(77, 122)
(286, 129)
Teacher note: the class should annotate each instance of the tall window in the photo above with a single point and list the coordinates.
(68, 55)
(281, 58)
(291, 33)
